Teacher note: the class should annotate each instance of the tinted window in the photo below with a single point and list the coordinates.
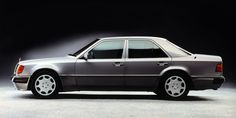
(144, 49)
(107, 50)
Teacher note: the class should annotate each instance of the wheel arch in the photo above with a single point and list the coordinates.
(175, 68)
(48, 70)
(178, 70)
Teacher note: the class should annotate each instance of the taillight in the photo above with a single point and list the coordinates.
(20, 69)
(219, 67)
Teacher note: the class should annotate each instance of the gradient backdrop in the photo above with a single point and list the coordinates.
(46, 29)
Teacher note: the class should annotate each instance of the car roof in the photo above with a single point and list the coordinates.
(134, 37)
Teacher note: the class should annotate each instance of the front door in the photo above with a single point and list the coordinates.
(104, 67)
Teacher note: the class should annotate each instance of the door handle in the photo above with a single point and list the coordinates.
(118, 64)
(161, 63)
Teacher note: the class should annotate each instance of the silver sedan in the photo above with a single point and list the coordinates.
(124, 64)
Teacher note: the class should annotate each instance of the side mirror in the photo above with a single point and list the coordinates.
(86, 56)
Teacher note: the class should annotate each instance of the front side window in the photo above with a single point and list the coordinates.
(144, 49)
(107, 50)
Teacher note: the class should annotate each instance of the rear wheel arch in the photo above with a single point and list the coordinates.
(179, 72)
(178, 87)
(46, 70)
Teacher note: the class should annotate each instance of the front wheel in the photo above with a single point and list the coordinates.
(44, 84)
(174, 86)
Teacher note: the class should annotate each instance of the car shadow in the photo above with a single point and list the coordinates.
(117, 96)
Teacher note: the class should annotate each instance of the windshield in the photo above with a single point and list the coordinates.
(85, 47)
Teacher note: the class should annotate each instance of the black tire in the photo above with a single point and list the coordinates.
(167, 86)
(54, 88)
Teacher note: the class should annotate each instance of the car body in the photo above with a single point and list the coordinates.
(133, 63)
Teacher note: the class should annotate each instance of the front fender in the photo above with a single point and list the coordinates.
(44, 66)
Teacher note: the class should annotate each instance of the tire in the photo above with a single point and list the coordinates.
(45, 84)
(174, 86)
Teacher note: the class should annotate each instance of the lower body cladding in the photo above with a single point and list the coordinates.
(132, 83)
(201, 83)
(110, 83)
(118, 83)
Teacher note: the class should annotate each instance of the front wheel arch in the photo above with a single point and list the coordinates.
(48, 70)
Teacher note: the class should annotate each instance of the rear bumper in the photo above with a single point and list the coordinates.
(20, 83)
(201, 83)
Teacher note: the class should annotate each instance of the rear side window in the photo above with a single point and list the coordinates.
(107, 50)
(144, 49)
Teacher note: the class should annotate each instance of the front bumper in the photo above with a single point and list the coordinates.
(201, 83)
(20, 82)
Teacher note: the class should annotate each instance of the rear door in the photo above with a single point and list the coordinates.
(144, 62)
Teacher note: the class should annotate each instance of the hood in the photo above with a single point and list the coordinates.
(49, 60)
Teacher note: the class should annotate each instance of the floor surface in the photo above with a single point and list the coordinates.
(199, 104)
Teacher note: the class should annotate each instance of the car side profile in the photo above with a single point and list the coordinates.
(134, 63)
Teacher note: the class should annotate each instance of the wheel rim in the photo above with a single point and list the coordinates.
(45, 85)
(175, 86)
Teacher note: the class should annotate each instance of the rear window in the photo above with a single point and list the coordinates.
(173, 49)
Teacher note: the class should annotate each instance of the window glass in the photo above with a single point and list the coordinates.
(85, 47)
(107, 50)
(174, 49)
(144, 49)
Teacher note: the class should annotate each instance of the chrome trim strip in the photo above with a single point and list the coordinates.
(147, 59)
(207, 76)
(21, 75)
(100, 60)
(203, 79)
(118, 75)
(196, 76)
(125, 60)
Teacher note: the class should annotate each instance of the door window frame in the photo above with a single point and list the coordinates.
(101, 41)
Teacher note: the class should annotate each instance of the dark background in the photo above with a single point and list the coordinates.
(206, 27)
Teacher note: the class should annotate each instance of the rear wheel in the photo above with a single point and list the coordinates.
(174, 86)
(45, 84)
